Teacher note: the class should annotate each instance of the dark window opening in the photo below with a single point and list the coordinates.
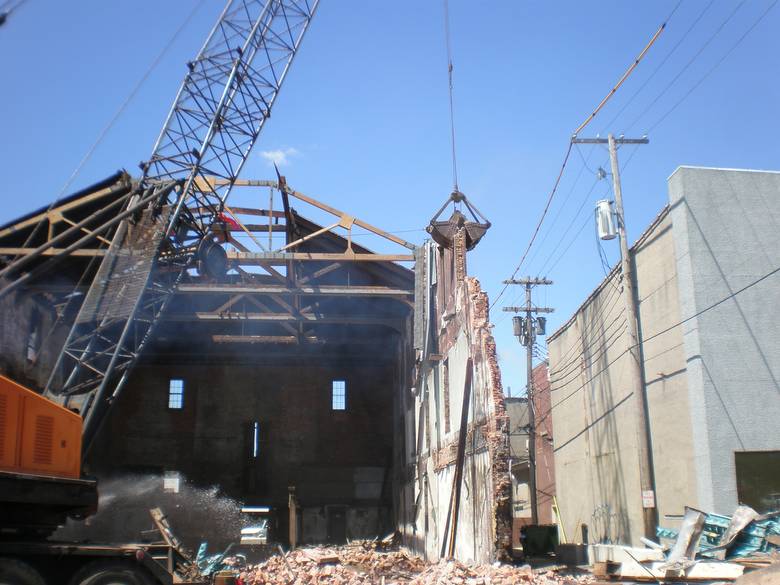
(33, 337)
(758, 479)
(176, 394)
(339, 395)
(172, 482)
(255, 439)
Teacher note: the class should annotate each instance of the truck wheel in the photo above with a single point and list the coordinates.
(111, 573)
(13, 572)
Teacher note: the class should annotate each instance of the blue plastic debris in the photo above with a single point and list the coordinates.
(751, 540)
(209, 565)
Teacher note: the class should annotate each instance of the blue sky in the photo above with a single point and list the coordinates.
(363, 117)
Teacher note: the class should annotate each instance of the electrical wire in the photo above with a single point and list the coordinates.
(594, 354)
(557, 215)
(570, 356)
(118, 113)
(582, 126)
(606, 306)
(661, 64)
(568, 227)
(688, 64)
(714, 67)
(588, 219)
(628, 72)
(663, 332)
(582, 227)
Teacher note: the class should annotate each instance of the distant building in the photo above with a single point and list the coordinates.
(708, 287)
(517, 411)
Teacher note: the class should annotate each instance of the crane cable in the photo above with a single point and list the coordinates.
(452, 109)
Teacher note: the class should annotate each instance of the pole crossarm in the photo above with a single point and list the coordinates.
(618, 140)
(527, 310)
(529, 280)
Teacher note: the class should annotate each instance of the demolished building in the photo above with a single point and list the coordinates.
(706, 284)
(351, 394)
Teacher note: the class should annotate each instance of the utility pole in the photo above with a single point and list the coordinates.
(644, 442)
(526, 331)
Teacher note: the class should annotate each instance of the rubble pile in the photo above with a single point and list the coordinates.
(446, 572)
(364, 563)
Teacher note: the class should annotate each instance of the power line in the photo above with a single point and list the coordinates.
(603, 310)
(662, 63)
(568, 228)
(582, 126)
(663, 332)
(582, 227)
(601, 349)
(714, 67)
(116, 115)
(561, 207)
(688, 64)
(130, 97)
(539, 223)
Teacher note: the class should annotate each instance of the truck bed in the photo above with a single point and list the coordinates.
(38, 504)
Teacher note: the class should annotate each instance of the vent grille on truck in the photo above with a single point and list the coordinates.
(44, 439)
(3, 422)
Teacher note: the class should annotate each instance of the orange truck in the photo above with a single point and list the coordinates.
(41, 485)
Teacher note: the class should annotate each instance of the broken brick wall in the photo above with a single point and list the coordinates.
(460, 336)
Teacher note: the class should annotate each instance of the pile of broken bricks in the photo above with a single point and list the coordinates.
(362, 563)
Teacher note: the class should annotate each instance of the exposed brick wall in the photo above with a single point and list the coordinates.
(497, 434)
(332, 457)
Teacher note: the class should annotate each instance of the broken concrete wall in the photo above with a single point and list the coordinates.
(460, 338)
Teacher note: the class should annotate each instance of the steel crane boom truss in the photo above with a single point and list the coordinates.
(221, 107)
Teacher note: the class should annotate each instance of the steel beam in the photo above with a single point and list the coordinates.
(285, 318)
(281, 258)
(268, 289)
(51, 252)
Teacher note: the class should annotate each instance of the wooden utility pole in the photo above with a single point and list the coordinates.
(527, 337)
(644, 441)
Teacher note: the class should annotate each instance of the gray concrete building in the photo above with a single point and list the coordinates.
(707, 284)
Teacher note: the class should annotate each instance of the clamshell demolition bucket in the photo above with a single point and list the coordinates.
(443, 231)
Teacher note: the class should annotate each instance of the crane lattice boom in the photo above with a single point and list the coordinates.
(218, 113)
